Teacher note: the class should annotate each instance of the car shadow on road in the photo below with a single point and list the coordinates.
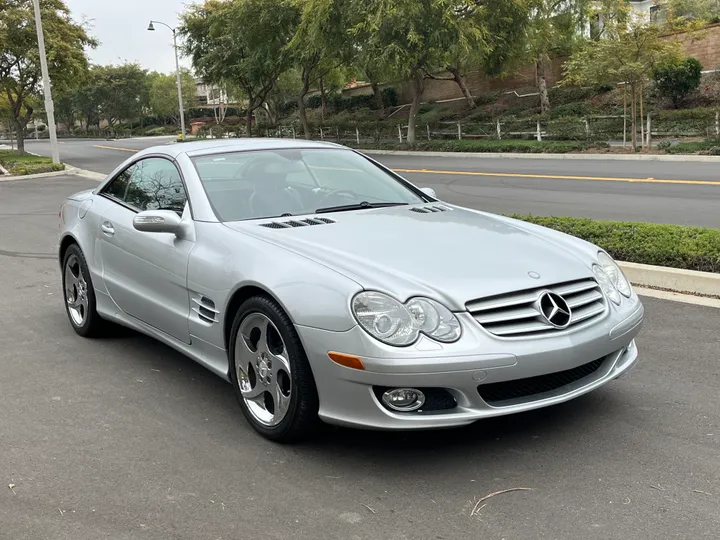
(559, 426)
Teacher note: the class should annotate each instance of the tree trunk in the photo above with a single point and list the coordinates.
(303, 117)
(248, 122)
(323, 101)
(542, 87)
(633, 114)
(19, 135)
(460, 81)
(418, 85)
(301, 104)
(379, 102)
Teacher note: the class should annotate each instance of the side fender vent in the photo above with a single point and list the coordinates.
(205, 309)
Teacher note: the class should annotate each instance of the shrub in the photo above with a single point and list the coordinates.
(159, 130)
(580, 108)
(675, 80)
(314, 101)
(35, 168)
(709, 148)
(390, 97)
(676, 246)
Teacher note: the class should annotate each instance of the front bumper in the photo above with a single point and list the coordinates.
(347, 396)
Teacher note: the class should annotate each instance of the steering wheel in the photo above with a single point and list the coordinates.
(336, 192)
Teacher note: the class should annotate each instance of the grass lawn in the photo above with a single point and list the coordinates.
(24, 164)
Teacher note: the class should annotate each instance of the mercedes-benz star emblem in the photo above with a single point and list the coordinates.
(555, 310)
(534, 275)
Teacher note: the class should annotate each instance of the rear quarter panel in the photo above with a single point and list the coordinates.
(81, 218)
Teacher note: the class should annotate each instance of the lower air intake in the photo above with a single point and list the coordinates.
(496, 393)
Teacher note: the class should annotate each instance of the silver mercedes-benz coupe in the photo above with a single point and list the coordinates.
(322, 285)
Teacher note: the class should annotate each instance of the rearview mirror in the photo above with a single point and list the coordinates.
(157, 221)
(430, 192)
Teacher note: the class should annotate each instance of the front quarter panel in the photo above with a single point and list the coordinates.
(225, 261)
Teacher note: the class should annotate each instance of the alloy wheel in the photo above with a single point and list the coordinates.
(76, 291)
(263, 369)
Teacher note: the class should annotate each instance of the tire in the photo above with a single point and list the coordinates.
(79, 295)
(264, 346)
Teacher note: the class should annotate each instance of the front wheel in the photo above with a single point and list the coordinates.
(270, 372)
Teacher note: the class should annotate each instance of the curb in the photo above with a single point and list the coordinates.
(92, 175)
(69, 171)
(674, 279)
(33, 176)
(579, 157)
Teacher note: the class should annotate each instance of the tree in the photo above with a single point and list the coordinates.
(241, 43)
(676, 79)
(121, 91)
(285, 90)
(411, 37)
(628, 55)
(321, 44)
(677, 14)
(163, 94)
(372, 69)
(554, 30)
(67, 108)
(492, 30)
(20, 74)
(90, 99)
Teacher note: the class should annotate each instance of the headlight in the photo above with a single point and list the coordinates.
(606, 284)
(615, 274)
(399, 324)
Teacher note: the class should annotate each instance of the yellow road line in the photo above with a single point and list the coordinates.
(117, 148)
(561, 177)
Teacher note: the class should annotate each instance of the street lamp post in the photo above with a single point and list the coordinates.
(49, 107)
(151, 28)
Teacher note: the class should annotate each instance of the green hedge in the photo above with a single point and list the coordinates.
(708, 148)
(676, 246)
(519, 146)
(35, 168)
(24, 164)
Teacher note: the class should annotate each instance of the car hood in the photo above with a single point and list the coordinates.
(456, 255)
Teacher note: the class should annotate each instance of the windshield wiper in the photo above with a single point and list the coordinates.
(358, 206)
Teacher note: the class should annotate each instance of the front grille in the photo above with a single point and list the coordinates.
(517, 315)
(495, 393)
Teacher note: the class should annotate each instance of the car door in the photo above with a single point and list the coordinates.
(146, 273)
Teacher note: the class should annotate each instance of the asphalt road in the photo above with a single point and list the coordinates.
(683, 193)
(124, 439)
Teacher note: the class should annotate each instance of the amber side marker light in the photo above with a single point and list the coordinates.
(346, 360)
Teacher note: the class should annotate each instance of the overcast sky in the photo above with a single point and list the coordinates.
(121, 28)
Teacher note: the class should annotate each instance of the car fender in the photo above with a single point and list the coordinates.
(225, 263)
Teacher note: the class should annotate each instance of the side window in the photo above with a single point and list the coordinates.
(155, 184)
(118, 187)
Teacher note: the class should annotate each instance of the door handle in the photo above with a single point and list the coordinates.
(107, 228)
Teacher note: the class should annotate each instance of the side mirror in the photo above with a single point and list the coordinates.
(157, 221)
(430, 192)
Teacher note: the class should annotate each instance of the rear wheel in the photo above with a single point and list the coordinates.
(79, 294)
(270, 372)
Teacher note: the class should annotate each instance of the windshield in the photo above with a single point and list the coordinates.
(291, 182)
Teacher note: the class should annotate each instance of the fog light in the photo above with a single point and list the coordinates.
(404, 399)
